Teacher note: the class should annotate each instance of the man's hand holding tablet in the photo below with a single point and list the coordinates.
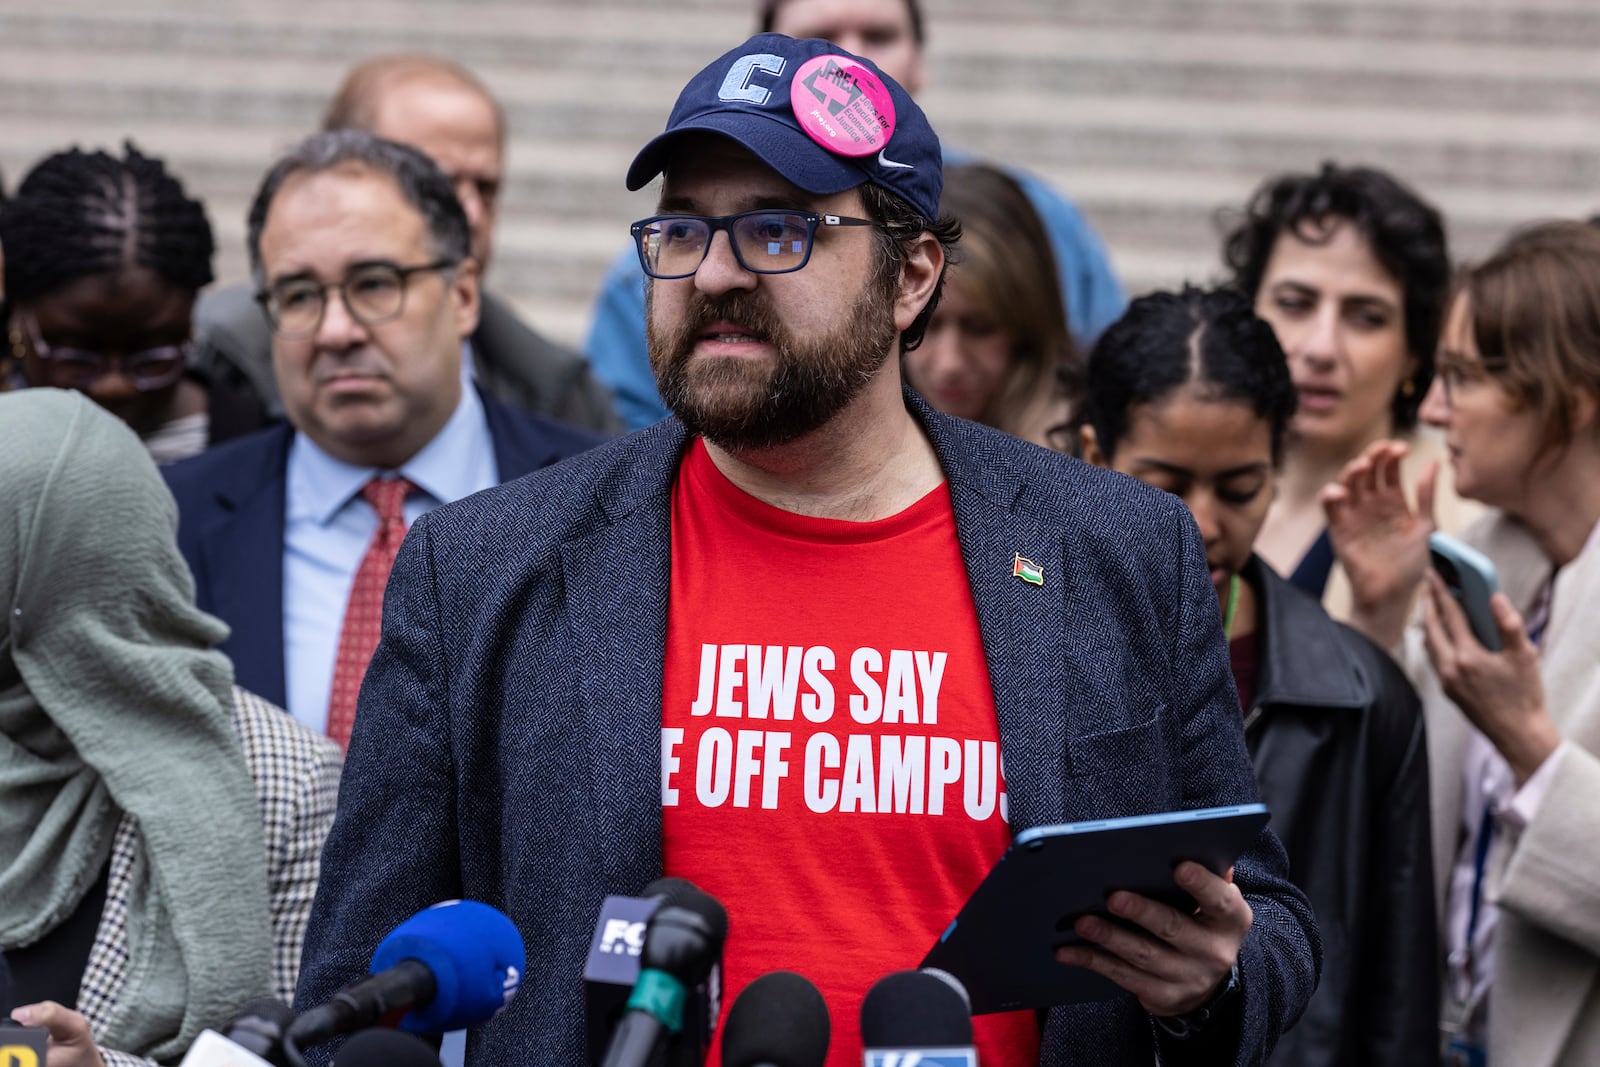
(1175, 963)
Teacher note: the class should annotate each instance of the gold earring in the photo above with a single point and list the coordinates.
(16, 343)
(1408, 388)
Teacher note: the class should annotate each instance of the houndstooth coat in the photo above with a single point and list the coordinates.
(296, 772)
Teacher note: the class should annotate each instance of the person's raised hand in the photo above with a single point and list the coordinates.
(1381, 540)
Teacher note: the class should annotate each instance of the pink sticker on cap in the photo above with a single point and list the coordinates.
(842, 105)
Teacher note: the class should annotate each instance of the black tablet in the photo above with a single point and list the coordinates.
(1002, 945)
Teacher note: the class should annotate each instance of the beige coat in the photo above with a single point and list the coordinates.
(1544, 1010)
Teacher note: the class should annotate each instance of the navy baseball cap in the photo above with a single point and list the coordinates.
(824, 119)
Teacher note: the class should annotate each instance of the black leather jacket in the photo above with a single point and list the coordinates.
(1336, 734)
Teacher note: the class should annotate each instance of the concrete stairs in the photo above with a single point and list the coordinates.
(1154, 114)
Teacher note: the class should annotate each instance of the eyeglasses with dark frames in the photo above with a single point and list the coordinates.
(78, 368)
(764, 242)
(372, 293)
(1456, 373)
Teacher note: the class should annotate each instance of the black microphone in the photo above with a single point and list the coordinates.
(259, 1028)
(922, 1017)
(612, 967)
(682, 942)
(385, 1048)
(253, 1037)
(780, 1020)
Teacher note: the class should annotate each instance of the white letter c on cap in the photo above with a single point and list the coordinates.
(736, 86)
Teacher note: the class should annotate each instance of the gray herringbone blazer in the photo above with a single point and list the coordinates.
(507, 745)
(296, 772)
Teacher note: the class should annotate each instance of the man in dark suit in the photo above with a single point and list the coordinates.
(438, 107)
(777, 644)
(361, 251)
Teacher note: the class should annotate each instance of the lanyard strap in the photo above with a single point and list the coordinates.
(1233, 606)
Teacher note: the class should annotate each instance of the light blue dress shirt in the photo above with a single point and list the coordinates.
(329, 526)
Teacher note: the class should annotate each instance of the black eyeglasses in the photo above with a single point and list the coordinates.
(764, 242)
(1455, 373)
(372, 293)
(78, 368)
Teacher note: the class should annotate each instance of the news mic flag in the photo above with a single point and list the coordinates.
(612, 968)
(682, 944)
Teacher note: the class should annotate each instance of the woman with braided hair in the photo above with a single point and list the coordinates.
(103, 259)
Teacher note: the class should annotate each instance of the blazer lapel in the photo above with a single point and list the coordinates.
(616, 581)
(1023, 622)
(242, 554)
(518, 445)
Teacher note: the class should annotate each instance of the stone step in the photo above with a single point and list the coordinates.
(494, 25)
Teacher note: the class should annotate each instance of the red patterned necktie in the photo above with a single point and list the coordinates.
(363, 615)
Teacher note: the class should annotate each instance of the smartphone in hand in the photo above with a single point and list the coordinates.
(1471, 579)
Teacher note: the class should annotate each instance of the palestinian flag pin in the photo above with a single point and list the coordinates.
(1027, 570)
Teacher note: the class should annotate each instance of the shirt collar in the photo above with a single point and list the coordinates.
(320, 485)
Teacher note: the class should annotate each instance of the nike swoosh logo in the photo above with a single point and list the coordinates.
(885, 161)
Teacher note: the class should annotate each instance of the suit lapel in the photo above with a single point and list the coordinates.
(1023, 624)
(518, 445)
(616, 582)
(243, 559)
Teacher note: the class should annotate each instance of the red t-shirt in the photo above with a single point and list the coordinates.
(830, 755)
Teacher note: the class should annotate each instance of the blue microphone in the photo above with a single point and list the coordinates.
(448, 967)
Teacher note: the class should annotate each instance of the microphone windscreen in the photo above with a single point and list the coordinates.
(669, 890)
(475, 954)
(259, 1026)
(915, 1009)
(385, 1048)
(703, 904)
(780, 1020)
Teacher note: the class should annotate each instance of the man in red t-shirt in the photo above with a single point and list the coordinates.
(860, 643)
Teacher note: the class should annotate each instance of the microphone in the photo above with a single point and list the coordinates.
(385, 1048)
(448, 967)
(917, 1017)
(253, 1039)
(780, 1020)
(682, 943)
(612, 968)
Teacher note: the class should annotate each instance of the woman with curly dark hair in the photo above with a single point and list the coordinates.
(1190, 392)
(1351, 269)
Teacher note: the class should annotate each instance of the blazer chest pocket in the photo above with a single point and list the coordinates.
(1115, 750)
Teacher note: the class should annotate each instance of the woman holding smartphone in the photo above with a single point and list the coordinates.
(1190, 392)
(1514, 735)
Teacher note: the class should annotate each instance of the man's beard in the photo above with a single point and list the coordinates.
(739, 402)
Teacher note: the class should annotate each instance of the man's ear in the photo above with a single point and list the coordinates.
(1583, 408)
(465, 296)
(1089, 447)
(920, 269)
